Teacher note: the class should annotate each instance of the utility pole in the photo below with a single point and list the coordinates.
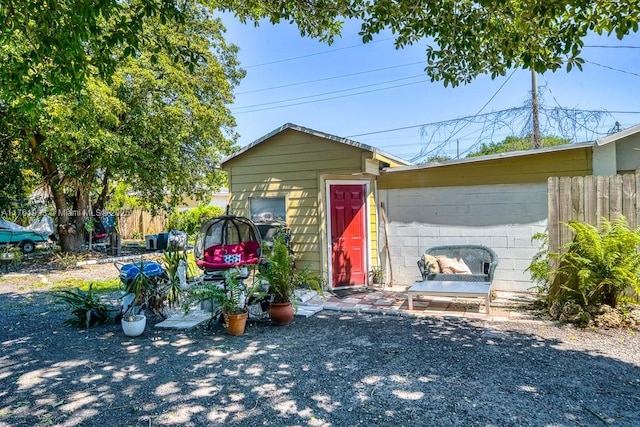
(535, 111)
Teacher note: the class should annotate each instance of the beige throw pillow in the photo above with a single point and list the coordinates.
(461, 267)
(431, 264)
(453, 266)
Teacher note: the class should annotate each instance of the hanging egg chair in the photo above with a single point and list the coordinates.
(226, 242)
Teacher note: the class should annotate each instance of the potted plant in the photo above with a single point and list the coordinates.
(233, 303)
(230, 296)
(133, 324)
(133, 320)
(141, 292)
(175, 264)
(376, 275)
(284, 278)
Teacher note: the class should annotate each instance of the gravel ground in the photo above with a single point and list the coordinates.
(332, 369)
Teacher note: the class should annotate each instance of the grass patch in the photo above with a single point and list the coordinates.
(103, 286)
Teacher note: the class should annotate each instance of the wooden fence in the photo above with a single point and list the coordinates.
(589, 199)
(138, 223)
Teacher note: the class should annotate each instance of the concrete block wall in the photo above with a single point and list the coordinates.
(503, 217)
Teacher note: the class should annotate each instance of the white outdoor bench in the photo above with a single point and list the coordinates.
(450, 289)
(482, 262)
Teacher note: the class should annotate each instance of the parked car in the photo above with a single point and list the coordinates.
(25, 237)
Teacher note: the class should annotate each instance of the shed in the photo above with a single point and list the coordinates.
(323, 187)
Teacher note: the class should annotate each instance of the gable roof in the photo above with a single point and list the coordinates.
(324, 135)
(618, 135)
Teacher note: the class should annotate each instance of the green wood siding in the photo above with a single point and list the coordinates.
(508, 170)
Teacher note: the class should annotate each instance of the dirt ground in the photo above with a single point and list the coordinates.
(331, 369)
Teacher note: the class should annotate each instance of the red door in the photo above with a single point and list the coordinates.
(348, 234)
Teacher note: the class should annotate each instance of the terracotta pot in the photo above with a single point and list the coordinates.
(236, 323)
(281, 313)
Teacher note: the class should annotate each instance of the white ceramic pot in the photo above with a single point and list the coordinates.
(134, 328)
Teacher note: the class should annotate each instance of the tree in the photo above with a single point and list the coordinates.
(465, 38)
(512, 143)
(437, 158)
(52, 46)
(158, 123)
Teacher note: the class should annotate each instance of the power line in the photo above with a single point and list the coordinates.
(486, 103)
(611, 47)
(329, 78)
(455, 131)
(331, 92)
(576, 123)
(384, 131)
(614, 69)
(279, 61)
(498, 118)
(330, 98)
(435, 123)
(442, 122)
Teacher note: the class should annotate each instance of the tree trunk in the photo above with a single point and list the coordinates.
(71, 217)
(104, 193)
(72, 199)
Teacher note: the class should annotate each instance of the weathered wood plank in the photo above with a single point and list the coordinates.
(637, 211)
(553, 216)
(590, 198)
(615, 197)
(565, 210)
(602, 200)
(577, 198)
(629, 199)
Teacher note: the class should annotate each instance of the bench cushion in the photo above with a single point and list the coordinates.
(228, 256)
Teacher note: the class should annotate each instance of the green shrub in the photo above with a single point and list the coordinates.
(539, 267)
(191, 220)
(85, 306)
(598, 266)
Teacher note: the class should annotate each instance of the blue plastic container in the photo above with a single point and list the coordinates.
(150, 269)
(163, 239)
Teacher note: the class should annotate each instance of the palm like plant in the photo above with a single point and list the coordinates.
(282, 275)
(85, 306)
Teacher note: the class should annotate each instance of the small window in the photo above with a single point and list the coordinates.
(267, 209)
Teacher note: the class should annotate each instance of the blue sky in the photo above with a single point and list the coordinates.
(362, 91)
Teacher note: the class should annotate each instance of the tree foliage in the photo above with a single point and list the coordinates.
(12, 190)
(190, 221)
(52, 46)
(465, 38)
(69, 39)
(513, 143)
